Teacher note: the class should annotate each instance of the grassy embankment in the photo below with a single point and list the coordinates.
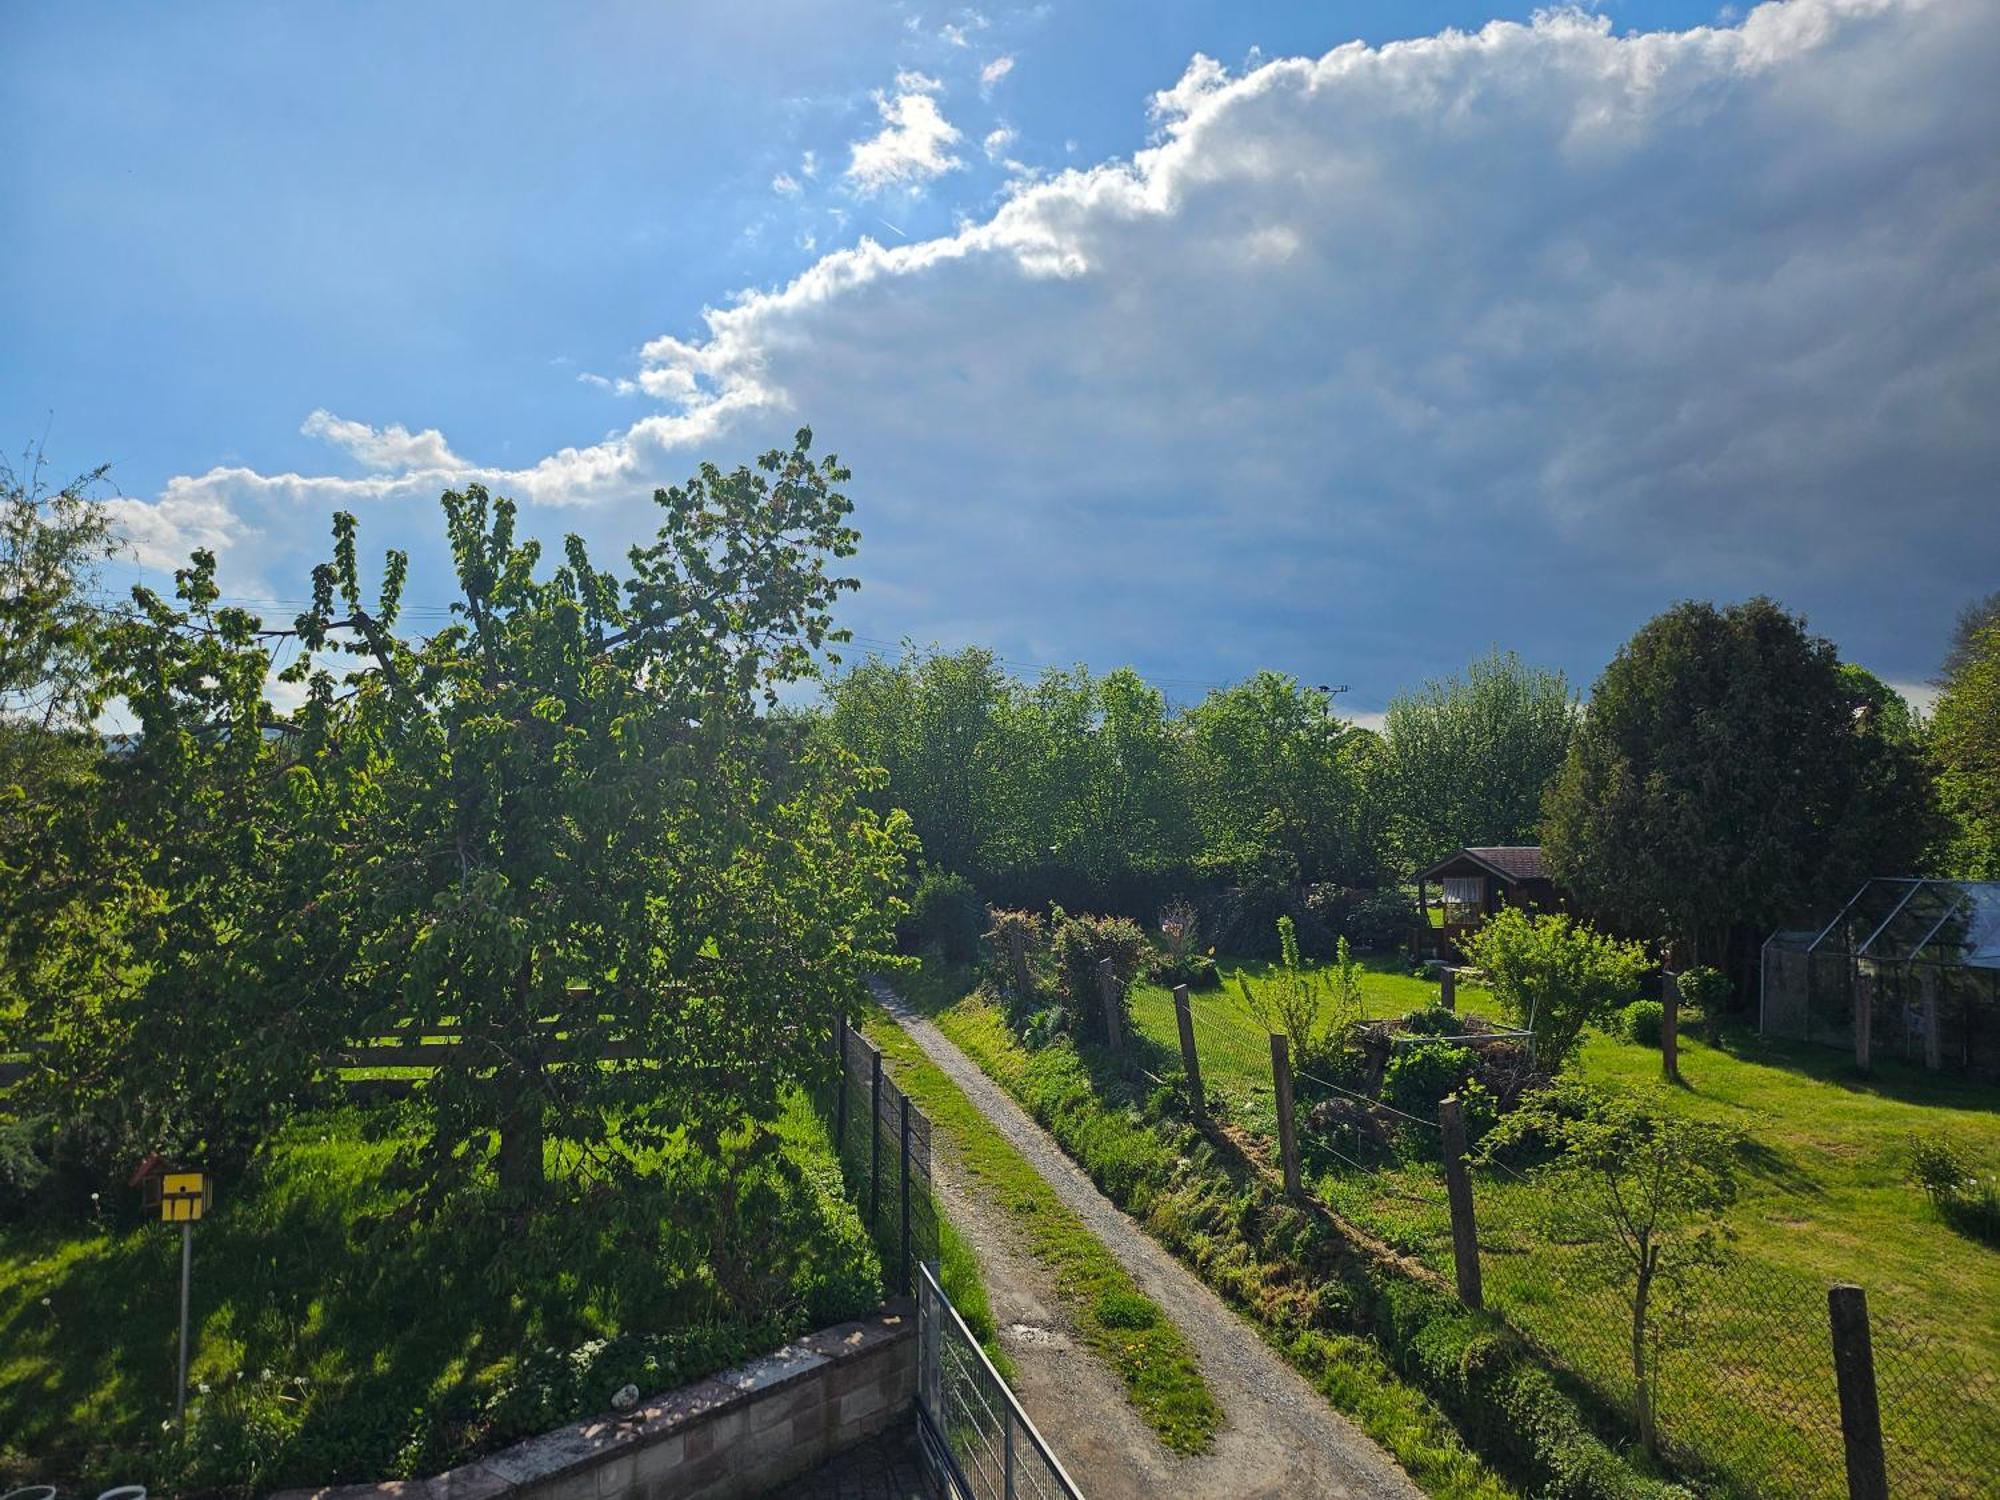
(339, 1338)
(1114, 1318)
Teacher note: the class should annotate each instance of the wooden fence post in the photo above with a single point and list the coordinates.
(1017, 954)
(1670, 1026)
(1288, 1130)
(1190, 1059)
(905, 1283)
(1107, 990)
(1458, 1189)
(1860, 1416)
(1448, 987)
(874, 1138)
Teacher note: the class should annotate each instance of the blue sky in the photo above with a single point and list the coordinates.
(1163, 333)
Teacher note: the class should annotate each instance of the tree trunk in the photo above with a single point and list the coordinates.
(1642, 1379)
(521, 1123)
(521, 1142)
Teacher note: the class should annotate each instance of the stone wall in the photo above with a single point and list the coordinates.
(732, 1435)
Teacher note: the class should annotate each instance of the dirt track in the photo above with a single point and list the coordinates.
(1279, 1438)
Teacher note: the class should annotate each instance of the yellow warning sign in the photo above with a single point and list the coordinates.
(185, 1196)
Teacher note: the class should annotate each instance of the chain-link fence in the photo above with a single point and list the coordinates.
(1741, 1354)
(884, 1143)
(979, 1442)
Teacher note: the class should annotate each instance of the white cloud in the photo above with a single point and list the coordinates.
(618, 387)
(997, 141)
(787, 185)
(994, 71)
(954, 36)
(914, 144)
(1375, 356)
(809, 165)
(392, 447)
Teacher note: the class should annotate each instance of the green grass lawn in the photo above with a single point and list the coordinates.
(337, 1339)
(1121, 1324)
(1825, 1198)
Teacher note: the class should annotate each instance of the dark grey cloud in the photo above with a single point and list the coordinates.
(1381, 357)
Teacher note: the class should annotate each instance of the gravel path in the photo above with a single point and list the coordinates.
(1279, 1438)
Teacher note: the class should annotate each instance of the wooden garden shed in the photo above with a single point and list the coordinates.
(1474, 883)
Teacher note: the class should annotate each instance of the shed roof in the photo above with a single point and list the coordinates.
(1512, 863)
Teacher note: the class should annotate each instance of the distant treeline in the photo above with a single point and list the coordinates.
(1727, 773)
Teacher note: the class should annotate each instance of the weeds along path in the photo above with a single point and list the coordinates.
(1279, 1436)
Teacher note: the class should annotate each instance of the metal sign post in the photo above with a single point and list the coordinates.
(184, 1198)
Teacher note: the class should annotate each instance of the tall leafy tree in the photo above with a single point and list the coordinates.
(566, 826)
(1467, 759)
(1277, 769)
(1966, 726)
(1728, 771)
(938, 724)
(572, 839)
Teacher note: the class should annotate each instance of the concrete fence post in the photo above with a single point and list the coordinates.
(1108, 990)
(1190, 1059)
(1288, 1130)
(1458, 1190)
(1860, 1415)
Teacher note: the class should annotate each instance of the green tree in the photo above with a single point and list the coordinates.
(1467, 760)
(1554, 976)
(1642, 1190)
(1276, 768)
(1729, 771)
(938, 724)
(566, 826)
(1966, 726)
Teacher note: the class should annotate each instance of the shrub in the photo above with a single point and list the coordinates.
(1432, 1020)
(1180, 959)
(1016, 940)
(1316, 1010)
(1964, 1199)
(1422, 1073)
(945, 917)
(1708, 991)
(1554, 976)
(1079, 945)
(1381, 921)
(1642, 1021)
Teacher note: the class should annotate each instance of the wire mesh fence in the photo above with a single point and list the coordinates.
(1740, 1355)
(884, 1144)
(978, 1440)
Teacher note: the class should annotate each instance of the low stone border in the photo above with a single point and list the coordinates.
(733, 1434)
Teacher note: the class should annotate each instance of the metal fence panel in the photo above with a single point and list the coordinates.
(980, 1444)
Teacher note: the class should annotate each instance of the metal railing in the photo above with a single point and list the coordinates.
(977, 1441)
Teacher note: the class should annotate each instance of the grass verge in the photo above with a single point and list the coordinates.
(1114, 1318)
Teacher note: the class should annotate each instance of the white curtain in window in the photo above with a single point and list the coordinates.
(1463, 890)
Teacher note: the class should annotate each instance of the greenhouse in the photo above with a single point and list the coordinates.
(1908, 968)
